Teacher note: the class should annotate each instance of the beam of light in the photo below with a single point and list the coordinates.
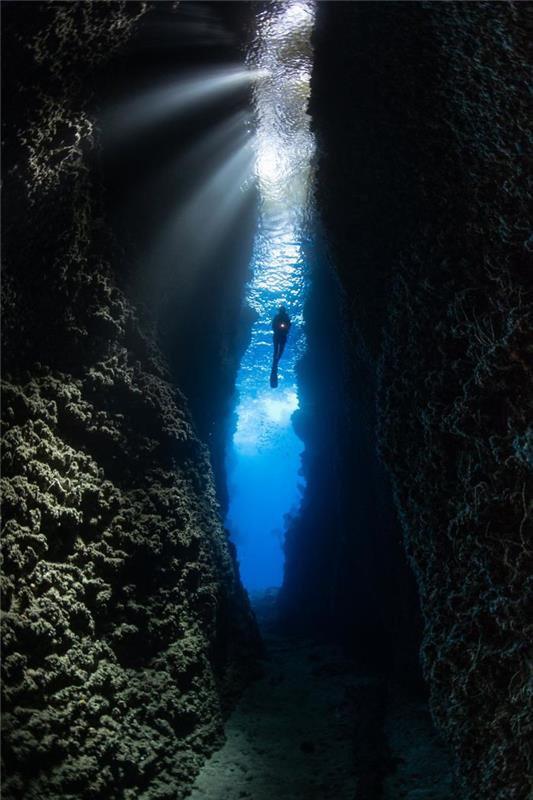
(210, 212)
(207, 154)
(264, 456)
(193, 231)
(179, 96)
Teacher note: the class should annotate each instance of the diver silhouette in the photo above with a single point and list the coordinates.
(280, 325)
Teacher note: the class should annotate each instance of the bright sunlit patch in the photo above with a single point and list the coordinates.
(297, 15)
(278, 409)
(259, 416)
(268, 164)
(302, 80)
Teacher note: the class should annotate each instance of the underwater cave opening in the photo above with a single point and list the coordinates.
(263, 459)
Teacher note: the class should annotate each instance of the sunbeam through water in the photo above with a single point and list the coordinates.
(264, 457)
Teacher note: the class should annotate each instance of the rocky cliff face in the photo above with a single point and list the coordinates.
(126, 631)
(420, 111)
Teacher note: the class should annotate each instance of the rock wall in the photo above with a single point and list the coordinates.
(127, 634)
(420, 111)
(346, 575)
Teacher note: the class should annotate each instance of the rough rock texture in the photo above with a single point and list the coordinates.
(126, 631)
(421, 113)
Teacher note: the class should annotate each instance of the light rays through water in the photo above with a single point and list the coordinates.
(210, 213)
(263, 462)
(179, 96)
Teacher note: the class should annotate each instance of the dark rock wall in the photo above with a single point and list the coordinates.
(346, 575)
(421, 114)
(127, 633)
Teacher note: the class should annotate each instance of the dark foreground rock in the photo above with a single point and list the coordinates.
(421, 116)
(127, 634)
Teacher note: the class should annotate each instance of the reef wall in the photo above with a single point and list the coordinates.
(127, 634)
(421, 117)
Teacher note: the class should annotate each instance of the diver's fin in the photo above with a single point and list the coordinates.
(274, 377)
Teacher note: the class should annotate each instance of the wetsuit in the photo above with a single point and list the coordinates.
(280, 325)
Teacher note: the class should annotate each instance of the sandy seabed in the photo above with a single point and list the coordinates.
(295, 735)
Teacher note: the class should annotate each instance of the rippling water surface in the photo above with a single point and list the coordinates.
(263, 460)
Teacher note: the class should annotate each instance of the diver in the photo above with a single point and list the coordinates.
(280, 325)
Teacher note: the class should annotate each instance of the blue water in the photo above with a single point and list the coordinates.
(263, 461)
(264, 457)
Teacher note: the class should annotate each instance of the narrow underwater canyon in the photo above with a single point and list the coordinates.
(394, 659)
